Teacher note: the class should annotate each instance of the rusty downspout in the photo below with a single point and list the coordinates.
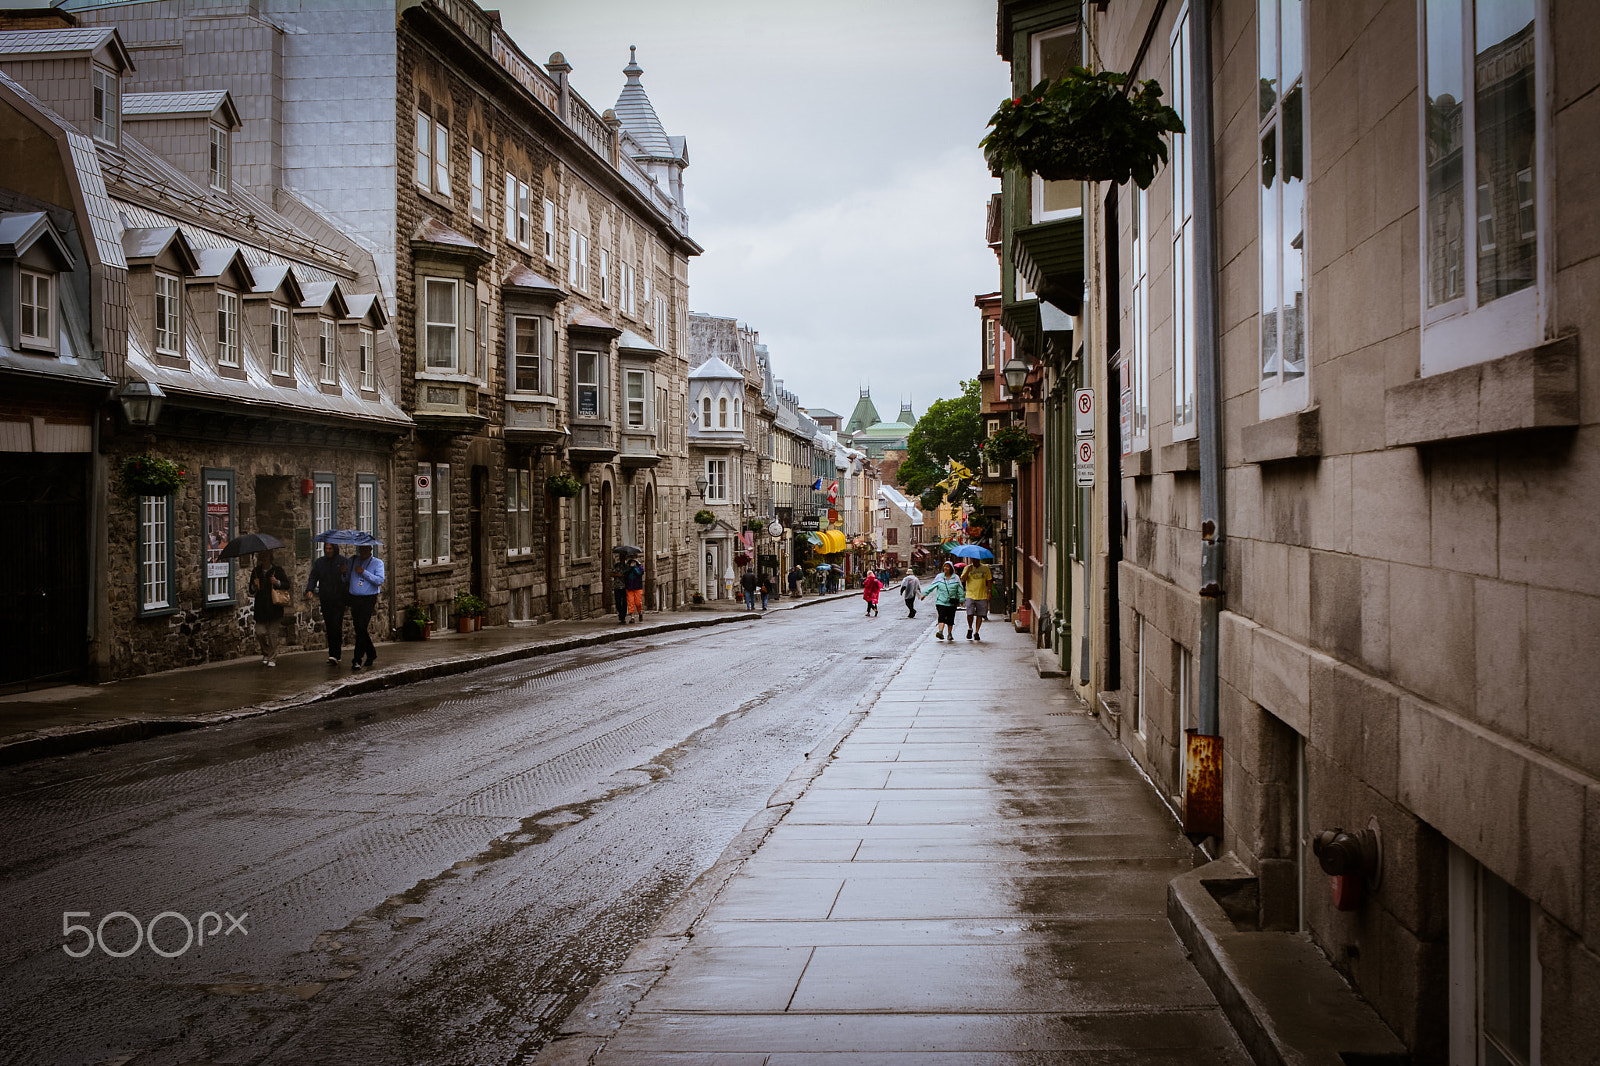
(1203, 788)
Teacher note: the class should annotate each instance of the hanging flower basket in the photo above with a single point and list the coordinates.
(705, 518)
(563, 485)
(1083, 127)
(757, 525)
(148, 475)
(742, 559)
(1009, 444)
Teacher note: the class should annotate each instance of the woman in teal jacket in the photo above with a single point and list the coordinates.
(948, 594)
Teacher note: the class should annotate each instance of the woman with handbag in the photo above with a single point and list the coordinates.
(269, 585)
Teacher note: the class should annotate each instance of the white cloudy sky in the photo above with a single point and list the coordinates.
(834, 179)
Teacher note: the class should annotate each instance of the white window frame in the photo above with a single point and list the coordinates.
(475, 181)
(524, 215)
(519, 511)
(511, 207)
(1462, 332)
(324, 503)
(705, 416)
(716, 481)
(168, 318)
(574, 262)
(1469, 887)
(550, 229)
(581, 542)
(422, 172)
(543, 337)
(156, 586)
(605, 276)
(637, 413)
(1037, 212)
(106, 107)
(217, 577)
(227, 328)
(279, 333)
(1277, 393)
(367, 339)
(450, 330)
(220, 174)
(433, 516)
(367, 503)
(327, 351)
(1185, 412)
(588, 375)
(722, 412)
(34, 309)
(1139, 307)
(630, 303)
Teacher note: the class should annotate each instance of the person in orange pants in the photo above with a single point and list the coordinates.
(634, 580)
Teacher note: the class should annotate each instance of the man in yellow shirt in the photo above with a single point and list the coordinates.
(976, 581)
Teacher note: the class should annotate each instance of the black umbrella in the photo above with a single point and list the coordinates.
(346, 536)
(249, 544)
(627, 549)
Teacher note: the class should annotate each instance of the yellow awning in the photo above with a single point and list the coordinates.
(832, 541)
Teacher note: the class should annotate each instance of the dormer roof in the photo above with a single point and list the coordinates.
(522, 280)
(22, 232)
(366, 305)
(215, 104)
(434, 236)
(77, 42)
(325, 295)
(588, 321)
(218, 263)
(144, 246)
(271, 278)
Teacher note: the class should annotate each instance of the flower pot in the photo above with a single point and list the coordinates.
(464, 625)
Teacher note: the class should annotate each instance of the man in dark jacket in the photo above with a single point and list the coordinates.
(748, 583)
(330, 580)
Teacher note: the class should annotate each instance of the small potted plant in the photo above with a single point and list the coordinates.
(697, 599)
(469, 609)
(1009, 444)
(757, 525)
(563, 485)
(704, 517)
(150, 475)
(418, 623)
(1083, 126)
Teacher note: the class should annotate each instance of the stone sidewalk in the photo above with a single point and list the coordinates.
(978, 874)
(67, 718)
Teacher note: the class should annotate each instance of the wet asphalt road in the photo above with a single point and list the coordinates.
(434, 874)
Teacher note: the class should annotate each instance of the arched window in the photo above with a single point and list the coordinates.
(722, 413)
(705, 410)
(737, 422)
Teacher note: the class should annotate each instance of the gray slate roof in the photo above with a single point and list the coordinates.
(83, 40)
(639, 117)
(716, 370)
(204, 103)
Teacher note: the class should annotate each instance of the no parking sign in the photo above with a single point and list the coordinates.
(1083, 463)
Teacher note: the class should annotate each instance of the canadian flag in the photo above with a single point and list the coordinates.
(833, 492)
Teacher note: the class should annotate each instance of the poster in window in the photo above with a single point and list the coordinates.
(217, 512)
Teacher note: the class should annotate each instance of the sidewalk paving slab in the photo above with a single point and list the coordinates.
(976, 874)
(68, 718)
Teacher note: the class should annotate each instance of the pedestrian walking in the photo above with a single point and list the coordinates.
(269, 587)
(619, 588)
(634, 581)
(909, 587)
(947, 596)
(748, 584)
(765, 588)
(794, 580)
(869, 592)
(366, 581)
(976, 586)
(330, 583)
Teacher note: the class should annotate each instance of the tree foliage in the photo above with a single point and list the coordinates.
(950, 430)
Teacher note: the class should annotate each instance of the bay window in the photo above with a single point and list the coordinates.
(586, 380)
(636, 398)
(533, 337)
(440, 323)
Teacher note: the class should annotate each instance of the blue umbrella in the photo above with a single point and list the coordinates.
(971, 551)
(346, 536)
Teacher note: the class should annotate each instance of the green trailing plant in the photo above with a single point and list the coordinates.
(466, 605)
(704, 517)
(1009, 444)
(563, 485)
(1083, 126)
(149, 475)
(756, 525)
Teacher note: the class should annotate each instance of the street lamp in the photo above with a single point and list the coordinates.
(141, 402)
(1016, 373)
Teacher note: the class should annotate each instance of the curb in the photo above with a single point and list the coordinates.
(64, 740)
(590, 1025)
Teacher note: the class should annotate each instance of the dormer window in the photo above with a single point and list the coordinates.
(219, 158)
(35, 323)
(107, 107)
(327, 369)
(227, 328)
(169, 299)
(278, 338)
(722, 413)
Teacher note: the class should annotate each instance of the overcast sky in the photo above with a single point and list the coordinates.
(834, 177)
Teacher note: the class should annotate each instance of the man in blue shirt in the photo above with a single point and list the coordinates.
(366, 580)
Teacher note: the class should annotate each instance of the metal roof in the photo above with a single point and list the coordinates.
(163, 105)
(21, 230)
(632, 342)
(83, 40)
(520, 277)
(638, 115)
(716, 370)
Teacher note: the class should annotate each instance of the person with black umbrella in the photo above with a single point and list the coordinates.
(330, 582)
(269, 586)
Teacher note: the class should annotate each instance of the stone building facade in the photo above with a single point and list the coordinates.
(1409, 468)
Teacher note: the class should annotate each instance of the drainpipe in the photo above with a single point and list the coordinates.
(1203, 787)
